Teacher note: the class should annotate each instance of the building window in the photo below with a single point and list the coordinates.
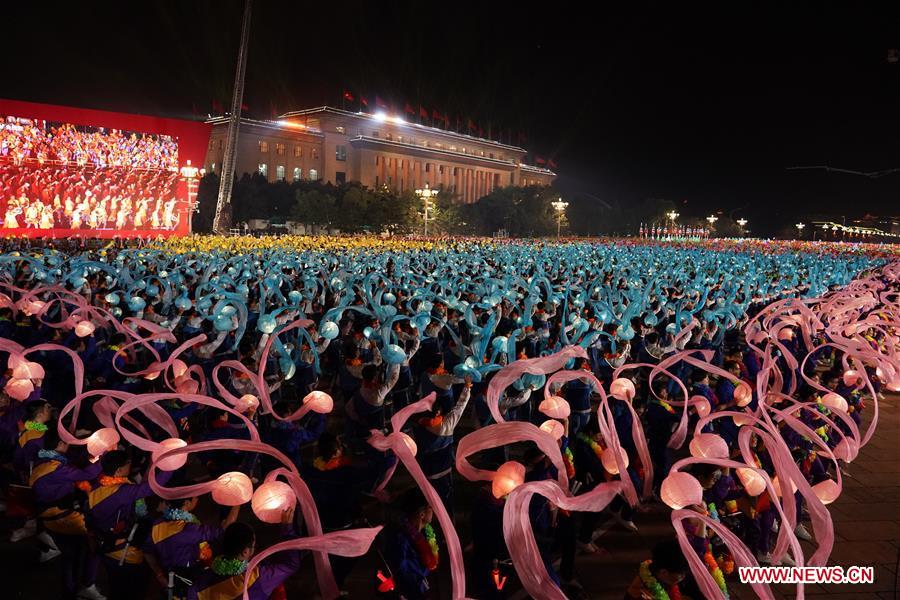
(455, 171)
(298, 151)
(279, 172)
(428, 167)
(221, 144)
(263, 170)
(212, 167)
(315, 153)
(340, 177)
(399, 138)
(263, 146)
(279, 149)
(388, 136)
(340, 153)
(297, 173)
(340, 129)
(375, 134)
(377, 160)
(313, 174)
(452, 148)
(441, 169)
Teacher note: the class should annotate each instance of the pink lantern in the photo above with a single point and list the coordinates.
(845, 450)
(701, 405)
(508, 477)
(246, 403)
(680, 490)
(555, 407)
(753, 482)
(608, 458)
(179, 368)
(786, 334)
(319, 402)
(232, 489)
(851, 377)
(151, 375)
(409, 443)
(33, 307)
(835, 402)
(271, 499)
(708, 445)
(554, 428)
(743, 395)
(102, 441)
(171, 463)
(28, 370)
(742, 420)
(622, 389)
(18, 389)
(827, 491)
(776, 483)
(187, 385)
(84, 328)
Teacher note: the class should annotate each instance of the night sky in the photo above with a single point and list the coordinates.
(705, 106)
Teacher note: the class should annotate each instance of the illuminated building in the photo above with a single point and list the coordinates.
(376, 150)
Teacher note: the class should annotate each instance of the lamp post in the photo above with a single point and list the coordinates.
(426, 195)
(824, 231)
(800, 227)
(560, 208)
(672, 215)
(711, 219)
(741, 222)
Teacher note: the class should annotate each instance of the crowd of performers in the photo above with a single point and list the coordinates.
(597, 378)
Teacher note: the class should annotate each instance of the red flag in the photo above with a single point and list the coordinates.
(194, 109)
(480, 132)
(423, 112)
(379, 103)
(363, 101)
(522, 137)
(348, 96)
(458, 122)
(217, 107)
(446, 121)
(539, 161)
(409, 109)
(245, 108)
(552, 163)
(436, 115)
(472, 125)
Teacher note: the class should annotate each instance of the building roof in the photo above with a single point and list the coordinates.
(384, 118)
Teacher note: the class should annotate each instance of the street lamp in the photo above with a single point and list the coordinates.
(711, 219)
(800, 227)
(426, 195)
(560, 208)
(741, 222)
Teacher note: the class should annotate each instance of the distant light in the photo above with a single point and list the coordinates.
(291, 124)
(380, 116)
(397, 120)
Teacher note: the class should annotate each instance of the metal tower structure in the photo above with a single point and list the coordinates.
(234, 123)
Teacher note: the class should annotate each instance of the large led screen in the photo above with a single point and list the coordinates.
(67, 171)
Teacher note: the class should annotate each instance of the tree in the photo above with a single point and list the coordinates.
(207, 197)
(315, 208)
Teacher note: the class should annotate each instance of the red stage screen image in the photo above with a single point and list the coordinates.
(103, 175)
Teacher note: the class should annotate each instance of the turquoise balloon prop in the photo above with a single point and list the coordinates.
(368, 332)
(116, 312)
(266, 324)
(472, 363)
(499, 343)
(182, 303)
(389, 310)
(421, 321)
(461, 370)
(389, 298)
(152, 291)
(204, 304)
(604, 316)
(223, 323)
(136, 304)
(228, 311)
(533, 382)
(625, 333)
(393, 354)
(77, 282)
(650, 320)
(329, 330)
(287, 366)
(294, 296)
(112, 298)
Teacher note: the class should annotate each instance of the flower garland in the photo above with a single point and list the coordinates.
(655, 587)
(179, 514)
(431, 422)
(35, 426)
(228, 567)
(425, 542)
(716, 572)
(667, 406)
(335, 462)
(592, 443)
(569, 461)
(106, 480)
